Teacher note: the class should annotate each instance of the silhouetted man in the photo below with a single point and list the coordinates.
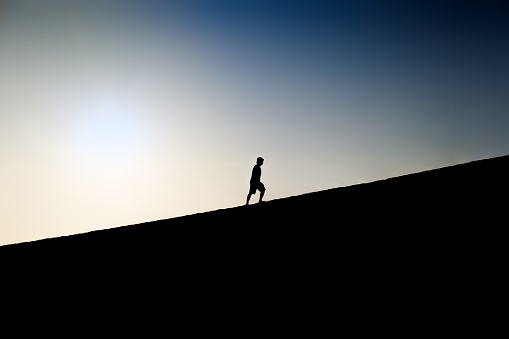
(255, 183)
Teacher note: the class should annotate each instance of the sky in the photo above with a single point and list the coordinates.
(120, 112)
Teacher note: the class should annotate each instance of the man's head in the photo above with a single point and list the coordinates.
(259, 161)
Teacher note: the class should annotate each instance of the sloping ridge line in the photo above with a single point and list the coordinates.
(441, 199)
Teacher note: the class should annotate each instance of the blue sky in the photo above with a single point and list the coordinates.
(119, 112)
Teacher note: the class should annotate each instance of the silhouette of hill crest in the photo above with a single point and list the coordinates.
(420, 250)
(444, 197)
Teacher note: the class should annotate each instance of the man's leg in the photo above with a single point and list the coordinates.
(262, 192)
(248, 197)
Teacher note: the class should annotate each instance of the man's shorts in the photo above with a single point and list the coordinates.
(256, 186)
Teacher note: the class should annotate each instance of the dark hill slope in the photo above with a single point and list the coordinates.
(427, 206)
(438, 199)
(418, 253)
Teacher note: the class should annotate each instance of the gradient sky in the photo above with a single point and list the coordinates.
(120, 112)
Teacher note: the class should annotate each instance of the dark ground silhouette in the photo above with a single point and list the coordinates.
(423, 251)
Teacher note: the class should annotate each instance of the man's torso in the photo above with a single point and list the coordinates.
(256, 175)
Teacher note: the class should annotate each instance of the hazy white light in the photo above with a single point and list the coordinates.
(107, 131)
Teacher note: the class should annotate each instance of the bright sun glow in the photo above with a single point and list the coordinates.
(107, 131)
